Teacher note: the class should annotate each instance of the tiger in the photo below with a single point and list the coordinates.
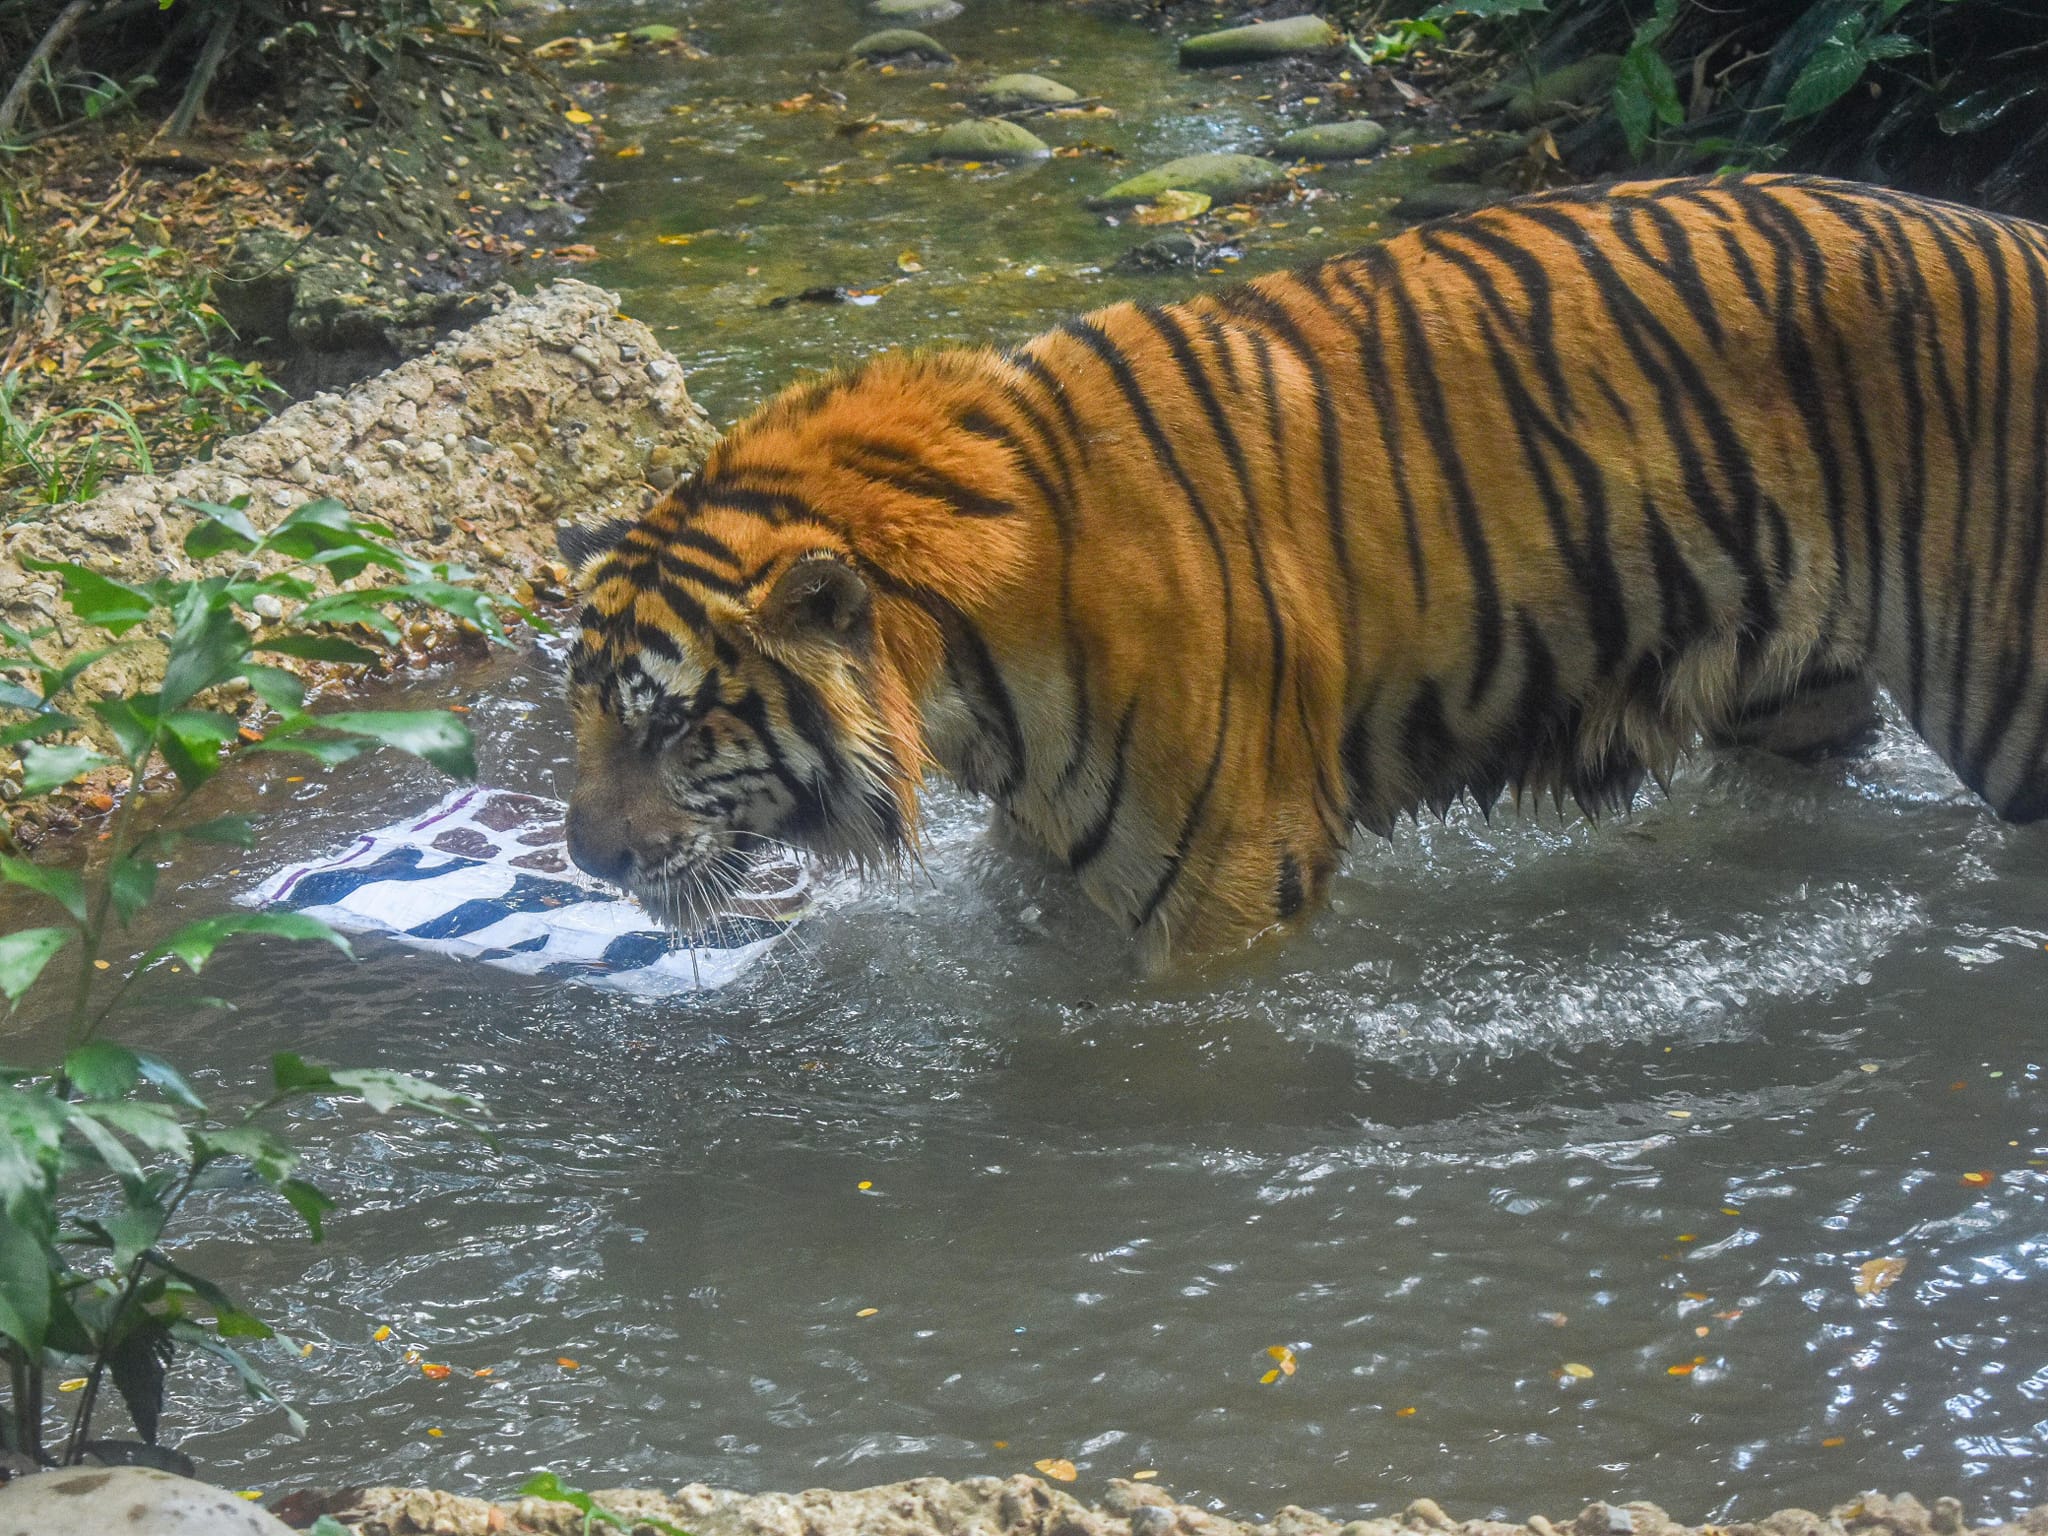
(1523, 502)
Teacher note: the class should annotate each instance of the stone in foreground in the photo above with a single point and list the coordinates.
(1226, 178)
(134, 1501)
(989, 138)
(1263, 40)
(921, 12)
(1009, 93)
(1353, 139)
(899, 43)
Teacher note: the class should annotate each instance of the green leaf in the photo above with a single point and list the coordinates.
(56, 679)
(206, 647)
(117, 1159)
(318, 648)
(195, 742)
(1645, 93)
(329, 753)
(156, 1127)
(252, 1380)
(137, 1364)
(23, 954)
(135, 1227)
(27, 1256)
(439, 737)
(327, 1525)
(277, 688)
(196, 941)
(48, 723)
(361, 608)
(167, 1079)
(294, 1074)
(223, 529)
(112, 605)
(133, 721)
(14, 696)
(384, 1091)
(266, 1152)
(235, 831)
(99, 1069)
(48, 768)
(310, 1203)
(131, 882)
(61, 885)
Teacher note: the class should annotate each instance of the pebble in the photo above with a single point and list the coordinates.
(661, 370)
(989, 138)
(1008, 93)
(1151, 1520)
(899, 43)
(429, 452)
(1262, 40)
(917, 12)
(269, 605)
(1226, 178)
(1350, 140)
(585, 356)
(392, 449)
(524, 452)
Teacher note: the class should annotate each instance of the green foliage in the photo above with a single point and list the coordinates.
(1645, 91)
(100, 1150)
(545, 1485)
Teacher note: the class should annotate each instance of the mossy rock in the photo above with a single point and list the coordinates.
(1581, 83)
(1350, 140)
(1262, 40)
(1444, 199)
(989, 138)
(1010, 93)
(898, 43)
(921, 12)
(1226, 178)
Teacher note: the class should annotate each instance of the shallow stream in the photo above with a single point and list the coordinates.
(1551, 1152)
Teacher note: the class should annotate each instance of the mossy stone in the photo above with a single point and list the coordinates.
(989, 138)
(899, 43)
(1262, 40)
(1007, 93)
(919, 11)
(1580, 83)
(1444, 199)
(1226, 178)
(1350, 140)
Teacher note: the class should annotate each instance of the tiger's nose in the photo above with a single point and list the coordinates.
(597, 849)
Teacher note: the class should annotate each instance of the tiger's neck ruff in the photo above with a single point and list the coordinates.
(1521, 500)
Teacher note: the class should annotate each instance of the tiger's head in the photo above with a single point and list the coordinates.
(749, 663)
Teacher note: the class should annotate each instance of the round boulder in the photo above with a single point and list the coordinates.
(1580, 84)
(914, 12)
(1226, 178)
(1350, 140)
(1262, 40)
(989, 138)
(1014, 93)
(98, 1501)
(896, 44)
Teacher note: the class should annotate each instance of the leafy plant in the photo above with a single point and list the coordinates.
(100, 1152)
(545, 1485)
(1645, 91)
(1856, 41)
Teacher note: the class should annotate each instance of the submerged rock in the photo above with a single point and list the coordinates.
(1353, 139)
(1174, 251)
(898, 43)
(1009, 93)
(98, 1501)
(918, 11)
(1262, 40)
(1226, 178)
(1443, 199)
(989, 138)
(1581, 83)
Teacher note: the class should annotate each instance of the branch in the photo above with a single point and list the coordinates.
(17, 94)
(210, 57)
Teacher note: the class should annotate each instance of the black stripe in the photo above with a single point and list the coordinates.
(1088, 847)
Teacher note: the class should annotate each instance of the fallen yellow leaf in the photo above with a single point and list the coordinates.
(578, 115)
(1173, 207)
(1832, 1441)
(1269, 1378)
(567, 1364)
(906, 261)
(1145, 1476)
(434, 1372)
(1577, 1371)
(865, 1184)
(381, 1334)
(630, 152)
(867, 1311)
(1404, 1413)
(1059, 1469)
(75, 1384)
(1876, 1276)
(435, 1433)
(1980, 1178)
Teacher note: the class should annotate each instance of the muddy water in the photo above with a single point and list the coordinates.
(945, 1190)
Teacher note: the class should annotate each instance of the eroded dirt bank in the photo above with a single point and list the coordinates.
(1028, 1506)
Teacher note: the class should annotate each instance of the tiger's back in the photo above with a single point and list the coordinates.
(1525, 499)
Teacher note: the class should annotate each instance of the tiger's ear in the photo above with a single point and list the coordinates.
(818, 595)
(580, 543)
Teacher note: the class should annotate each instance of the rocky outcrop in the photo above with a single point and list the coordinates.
(556, 406)
(1025, 1506)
